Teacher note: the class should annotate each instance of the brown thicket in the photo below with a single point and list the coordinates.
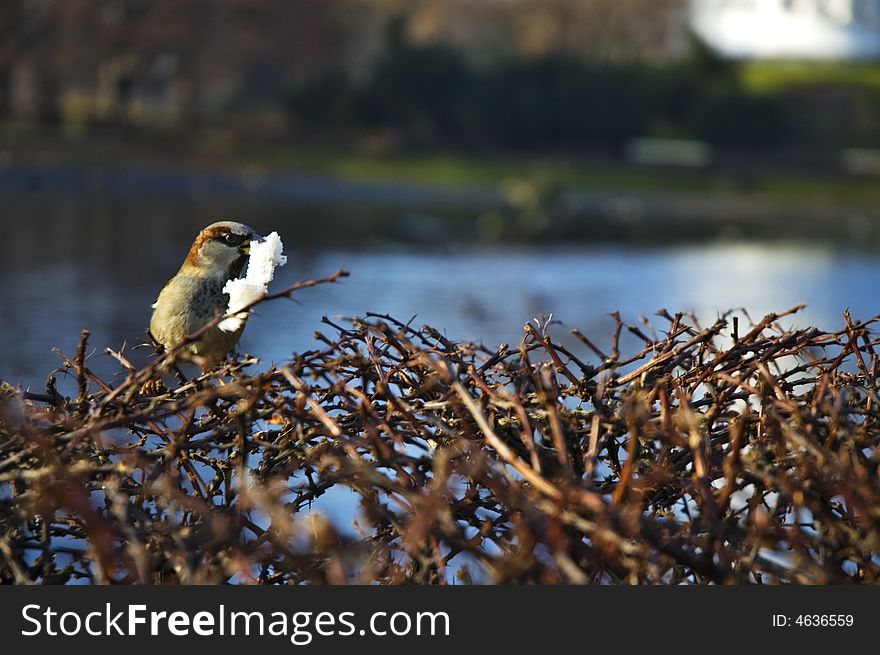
(720, 454)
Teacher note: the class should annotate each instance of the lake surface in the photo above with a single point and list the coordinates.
(72, 262)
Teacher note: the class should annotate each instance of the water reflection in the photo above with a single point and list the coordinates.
(77, 263)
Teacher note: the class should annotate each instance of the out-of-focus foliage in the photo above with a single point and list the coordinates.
(388, 74)
(429, 95)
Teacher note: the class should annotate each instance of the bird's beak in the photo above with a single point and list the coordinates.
(245, 248)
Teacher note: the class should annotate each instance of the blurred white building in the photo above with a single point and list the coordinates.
(789, 29)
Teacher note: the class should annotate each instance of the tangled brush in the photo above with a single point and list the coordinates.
(706, 456)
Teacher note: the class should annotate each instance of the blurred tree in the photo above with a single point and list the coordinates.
(421, 87)
(599, 30)
(407, 72)
(559, 100)
(28, 73)
(128, 59)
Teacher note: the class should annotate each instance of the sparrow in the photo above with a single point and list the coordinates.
(194, 296)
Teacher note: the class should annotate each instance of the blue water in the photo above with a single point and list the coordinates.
(61, 275)
(69, 264)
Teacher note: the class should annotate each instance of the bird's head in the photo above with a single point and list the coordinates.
(221, 249)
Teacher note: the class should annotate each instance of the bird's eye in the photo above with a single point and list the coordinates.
(233, 239)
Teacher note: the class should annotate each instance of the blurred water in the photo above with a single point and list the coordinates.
(71, 263)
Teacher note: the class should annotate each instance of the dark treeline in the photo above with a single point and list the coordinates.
(428, 95)
(552, 74)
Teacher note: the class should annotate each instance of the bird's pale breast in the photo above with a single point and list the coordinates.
(188, 303)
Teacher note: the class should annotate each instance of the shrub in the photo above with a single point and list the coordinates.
(701, 457)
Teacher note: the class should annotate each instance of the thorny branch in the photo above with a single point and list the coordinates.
(715, 454)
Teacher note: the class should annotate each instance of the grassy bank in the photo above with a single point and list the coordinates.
(227, 150)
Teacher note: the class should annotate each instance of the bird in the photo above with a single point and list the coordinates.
(194, 296)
